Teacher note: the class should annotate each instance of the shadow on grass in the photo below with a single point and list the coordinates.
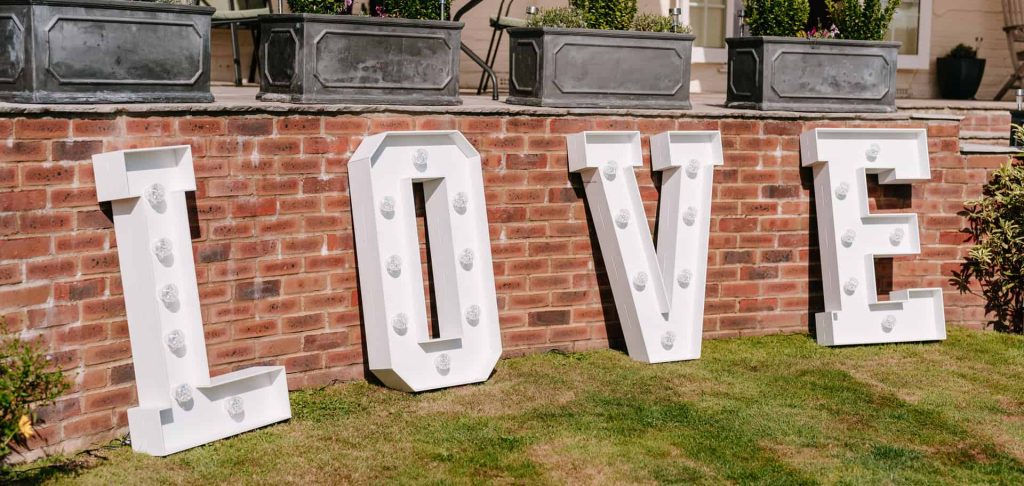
(58, 467)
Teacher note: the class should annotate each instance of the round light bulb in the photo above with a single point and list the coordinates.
(162, 248)
(460, 202)
(842, 190)
(622, 219)
(897, 236)
(400, 323)
(640, 280)
(394, 265)
(156, 194)
(668, 339)
(175, 341)
(182, 394)
(466, 258)
(690, 216)
(873, 151)
(443, 362)
(848, 237)
(387, 206)
(611, 169)
(889, 323)
(234, 406)
(169, 294)
(693, 168)
(684, 278)
(851, 286)
(419, 159)
(473, 315)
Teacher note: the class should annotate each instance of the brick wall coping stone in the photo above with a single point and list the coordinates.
(243, 101)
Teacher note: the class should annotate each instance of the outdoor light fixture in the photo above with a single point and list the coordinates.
(180, 406)
(850, 237)
(400, 350)
(659, 295)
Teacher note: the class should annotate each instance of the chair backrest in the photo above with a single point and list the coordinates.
(1013, 12)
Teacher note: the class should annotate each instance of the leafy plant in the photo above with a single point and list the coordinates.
(26, 380)
(781, 18)
(996, 262)
(964, 51)
(606, 14)
(645, 22)
(559, 17)
(326, 7)
(412, 9)
(862, 19)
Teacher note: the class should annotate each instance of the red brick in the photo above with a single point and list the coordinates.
(23, 201)
(29, 128)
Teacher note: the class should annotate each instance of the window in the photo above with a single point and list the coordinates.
(714, 20)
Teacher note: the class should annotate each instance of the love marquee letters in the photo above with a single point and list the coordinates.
(180, 406)
(659, 295)
(400, 350)
(850, 237)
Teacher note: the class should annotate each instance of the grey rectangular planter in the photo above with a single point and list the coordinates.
(356, 59)
(817, 75)
(586, 68)
(103, 51)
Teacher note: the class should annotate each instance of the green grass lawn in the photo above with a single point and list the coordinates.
(773, 410)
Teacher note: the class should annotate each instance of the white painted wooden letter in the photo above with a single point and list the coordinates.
(400, 350)
(659, 295)
(180, 406)
(850, 237)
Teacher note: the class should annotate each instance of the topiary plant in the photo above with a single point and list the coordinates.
(780, 18)
(645, 22)
(326, 7)
(26, 380)
(606, 14)
(996, 262)
(862, 19)
(559, 17)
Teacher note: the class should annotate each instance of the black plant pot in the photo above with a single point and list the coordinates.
(959, 78)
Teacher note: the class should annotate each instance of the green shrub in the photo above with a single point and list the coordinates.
(559, 17)
(26, 380)
(862, 19)
(607, 14)
(326, 7)
(644, 22)
(780, 18)
(412, 9)
(996, 262)
(964, 51)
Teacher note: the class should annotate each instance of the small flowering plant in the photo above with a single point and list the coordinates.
(27, 379)
(820, 32)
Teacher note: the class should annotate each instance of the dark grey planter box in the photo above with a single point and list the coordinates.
(585, 68)
(356, 59)
(93, 51)
(819, 75)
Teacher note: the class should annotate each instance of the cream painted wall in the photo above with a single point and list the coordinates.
(953, 21)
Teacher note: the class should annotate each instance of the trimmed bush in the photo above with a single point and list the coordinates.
(778, 18)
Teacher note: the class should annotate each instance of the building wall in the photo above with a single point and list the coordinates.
(275, 252)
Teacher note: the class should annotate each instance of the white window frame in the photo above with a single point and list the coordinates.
(719, 55)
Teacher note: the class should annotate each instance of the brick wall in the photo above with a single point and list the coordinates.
(276, 264)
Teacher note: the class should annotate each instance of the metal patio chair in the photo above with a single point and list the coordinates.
(499, 23)
(1013, 26)
(245, 16)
